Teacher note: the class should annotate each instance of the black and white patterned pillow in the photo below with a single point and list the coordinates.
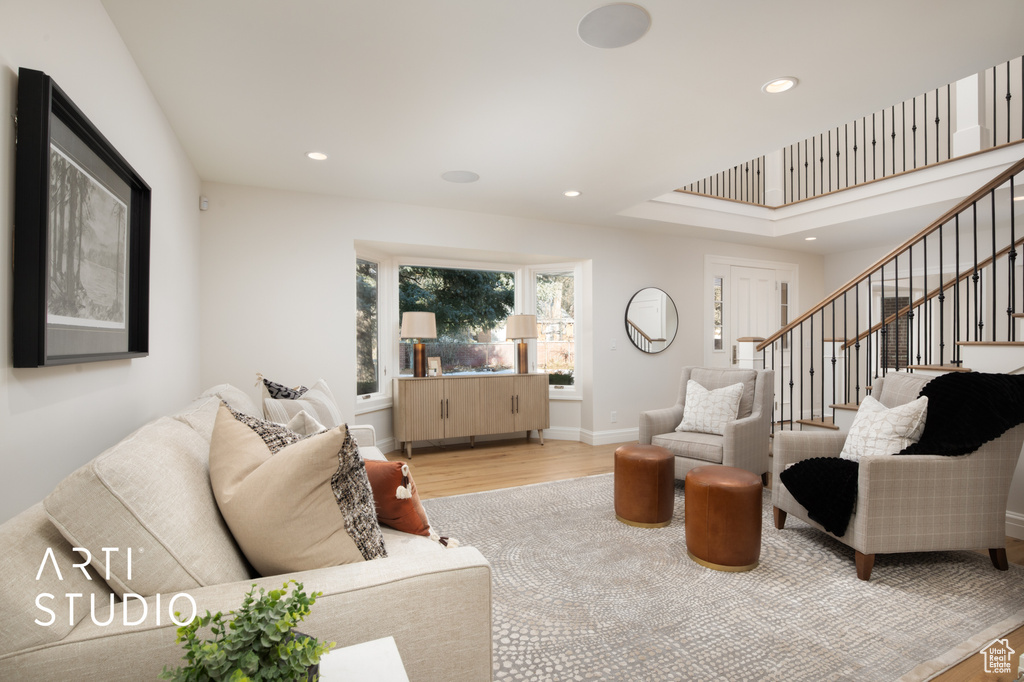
(352, 490)
(282, 392)
(276, 436)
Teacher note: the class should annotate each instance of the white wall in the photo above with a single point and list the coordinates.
(279, 292)
(52, 420)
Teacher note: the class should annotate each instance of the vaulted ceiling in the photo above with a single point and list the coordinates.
(397, 92)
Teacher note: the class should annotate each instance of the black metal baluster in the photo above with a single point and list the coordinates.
(792, 193)
(792, 368)
(914, 130)
(942, 307)
(926, 311)
(903, 116)
(949, 128)
(837, 161)
(992, 285)
(995, 133)
(834, 357)
(814, 174)
(1011, 271)
(937, 144)
(867, 350)
(883, 329)
(856, 336)
(896, 295)
(821, 161)
(874, 148)
(1008, 97)
(802, 370)
(806, 164)
(846, 357)
(854, 153)
(909, 307)
(829, 160)
(846, 155)
(810, 379)
(978, 322)
(956, 296)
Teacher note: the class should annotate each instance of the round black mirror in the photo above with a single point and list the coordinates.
(651, 320)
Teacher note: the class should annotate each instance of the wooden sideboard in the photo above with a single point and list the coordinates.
(432, 408)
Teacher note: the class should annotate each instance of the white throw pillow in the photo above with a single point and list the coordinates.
(305, 424)
(709, 411)
(878, 430)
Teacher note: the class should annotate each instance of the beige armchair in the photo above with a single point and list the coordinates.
(911, 503)
(745, 442)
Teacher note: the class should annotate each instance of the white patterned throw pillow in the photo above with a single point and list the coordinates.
(878, 430)
(709, 411)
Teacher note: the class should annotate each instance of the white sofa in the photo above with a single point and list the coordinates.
(151, 493)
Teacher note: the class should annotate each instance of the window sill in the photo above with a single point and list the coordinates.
(560, 394)
(375, 404)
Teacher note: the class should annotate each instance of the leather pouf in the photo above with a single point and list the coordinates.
(723, 517)
(645, 482)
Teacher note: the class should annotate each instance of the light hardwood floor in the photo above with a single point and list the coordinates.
(458, 469)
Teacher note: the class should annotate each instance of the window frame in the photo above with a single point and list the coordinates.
(381, 398)
(574, 391)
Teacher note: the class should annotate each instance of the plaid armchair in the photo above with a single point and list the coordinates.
(745, 443)
(911, 503)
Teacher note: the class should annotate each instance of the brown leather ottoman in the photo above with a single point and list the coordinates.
(645, 485)
(723, 517)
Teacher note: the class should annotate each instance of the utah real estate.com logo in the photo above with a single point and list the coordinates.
(998, 657)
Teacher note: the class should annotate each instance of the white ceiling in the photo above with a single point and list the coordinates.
(397, 92)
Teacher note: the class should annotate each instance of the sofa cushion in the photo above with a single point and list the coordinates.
(720, 378)
(307, 505)
(899, 388)
(151, 493)
(236, 398)
(709, 411)
(877, 430)
(706, 447)
(25, 540)
(395, 498)
(318, 401)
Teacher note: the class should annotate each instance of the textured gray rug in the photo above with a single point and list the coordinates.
(581, 596)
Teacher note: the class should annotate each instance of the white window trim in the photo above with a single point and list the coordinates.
(572, 392)
(381, 399)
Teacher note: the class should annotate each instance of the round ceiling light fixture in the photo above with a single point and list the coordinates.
(571, 193)
(810, 239)
(615, 25)
(460, 176)
(317, 156)
(774, 87)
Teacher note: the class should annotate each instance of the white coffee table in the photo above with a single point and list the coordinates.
(374, 661)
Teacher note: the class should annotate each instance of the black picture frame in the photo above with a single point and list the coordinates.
(81, 237)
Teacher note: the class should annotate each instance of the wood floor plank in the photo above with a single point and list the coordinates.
(491, 465)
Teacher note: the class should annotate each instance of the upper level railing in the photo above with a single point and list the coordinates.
(913, 134)
(955, 282)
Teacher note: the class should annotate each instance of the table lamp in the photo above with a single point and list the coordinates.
(418, 326)
(521, 327)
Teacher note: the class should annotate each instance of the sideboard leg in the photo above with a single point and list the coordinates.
(408, 449)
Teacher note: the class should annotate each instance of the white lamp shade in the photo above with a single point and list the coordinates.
(521, 327)
(418, 326)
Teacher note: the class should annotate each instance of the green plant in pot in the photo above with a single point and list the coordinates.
(258, 645)
(560, 378)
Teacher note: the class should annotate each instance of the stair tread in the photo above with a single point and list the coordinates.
(819, 423)
(990, 343)
(943, 368)
(845, 406)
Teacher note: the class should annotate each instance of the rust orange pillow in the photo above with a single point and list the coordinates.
(394, 495)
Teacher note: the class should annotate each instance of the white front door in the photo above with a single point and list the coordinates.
(753, 301)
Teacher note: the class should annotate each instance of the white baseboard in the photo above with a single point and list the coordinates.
(1015, 525)
(386, 444)
(610, 437)
(562, 433)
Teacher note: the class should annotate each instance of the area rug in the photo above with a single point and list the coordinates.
(580, 596)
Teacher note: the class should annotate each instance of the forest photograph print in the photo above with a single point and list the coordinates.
(87, 248)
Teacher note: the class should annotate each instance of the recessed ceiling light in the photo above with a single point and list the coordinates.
(778, 85)
(460, 176)
(1019, 198)
(572, 193)
(809, 239)
(615, 25)
(317, 156)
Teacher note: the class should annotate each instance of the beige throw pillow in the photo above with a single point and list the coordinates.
(877, 430)
(309, 505)
(709, 411)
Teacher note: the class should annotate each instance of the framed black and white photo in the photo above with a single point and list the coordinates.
(81, 237)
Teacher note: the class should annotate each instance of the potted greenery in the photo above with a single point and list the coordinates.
(257, 645)
(560, 378)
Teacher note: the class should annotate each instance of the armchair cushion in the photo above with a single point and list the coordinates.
(877, 430)
(708, 411)
(705, 447)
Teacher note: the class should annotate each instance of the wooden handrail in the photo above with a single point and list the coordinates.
(899, 250)
(640, 331)
(931, 294)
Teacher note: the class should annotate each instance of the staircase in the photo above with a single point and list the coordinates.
(944, 300)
